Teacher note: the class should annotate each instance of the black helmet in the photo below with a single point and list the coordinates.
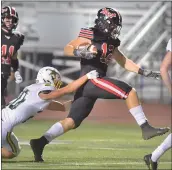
(6, 12)
(109, 21)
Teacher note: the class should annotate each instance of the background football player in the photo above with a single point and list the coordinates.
(97, 46)
(32, 100)
(10, 44)
(152, 159)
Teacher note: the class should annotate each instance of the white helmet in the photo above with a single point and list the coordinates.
(49, 75)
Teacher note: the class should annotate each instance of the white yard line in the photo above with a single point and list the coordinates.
(64, 142)
(24, 142)
(77, 164)
(94, 148)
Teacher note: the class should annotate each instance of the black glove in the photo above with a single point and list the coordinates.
(84, 53)
(149, 73)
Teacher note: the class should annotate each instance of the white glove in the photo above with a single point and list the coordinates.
(92, 74)
(18, 77)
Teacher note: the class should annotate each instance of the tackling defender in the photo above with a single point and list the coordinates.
(103, 46)
(151, 159)
(10, 43)
(31, 101)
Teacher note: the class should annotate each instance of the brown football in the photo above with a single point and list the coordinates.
(92, 48)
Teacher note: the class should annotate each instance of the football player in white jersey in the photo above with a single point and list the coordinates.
(33, 100)
(152, 159)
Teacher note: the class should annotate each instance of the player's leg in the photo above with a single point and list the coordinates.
(137, 112)
(109, 88)
(152, 159)
(10, 146)
(80, 109)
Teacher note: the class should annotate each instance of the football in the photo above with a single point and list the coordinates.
(91, 48)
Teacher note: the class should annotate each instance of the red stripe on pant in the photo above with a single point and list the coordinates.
(106, 89)
(112, 85)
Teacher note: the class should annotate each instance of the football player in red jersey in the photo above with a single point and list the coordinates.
(10, 43)
(102, 45)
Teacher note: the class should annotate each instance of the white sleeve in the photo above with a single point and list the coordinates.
(47, 88)
(168, 48)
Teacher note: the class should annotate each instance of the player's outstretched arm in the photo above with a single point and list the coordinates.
(15, 67)
(129, 65)
(59, 106)
(70, 87)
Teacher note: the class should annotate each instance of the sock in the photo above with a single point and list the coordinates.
(138, 114)
(160, 150)
(55, 131)
(44, 141)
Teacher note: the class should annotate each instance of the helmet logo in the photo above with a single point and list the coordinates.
(53, 74)
(106, 12)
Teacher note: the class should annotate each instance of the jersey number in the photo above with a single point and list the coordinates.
(6, 60)
(20, 99)
(106, 58)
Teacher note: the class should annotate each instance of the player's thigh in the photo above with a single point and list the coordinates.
(107, 88)
(80, 109)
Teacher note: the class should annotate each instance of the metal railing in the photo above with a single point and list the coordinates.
(147, 27)
(140, 23)
(149, 53)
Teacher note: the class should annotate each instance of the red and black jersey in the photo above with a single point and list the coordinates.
(10, 44)
(105, 46)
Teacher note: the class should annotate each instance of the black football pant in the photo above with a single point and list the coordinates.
(86, 96)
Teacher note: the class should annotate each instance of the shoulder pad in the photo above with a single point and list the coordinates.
(20, 36)
(17, 33)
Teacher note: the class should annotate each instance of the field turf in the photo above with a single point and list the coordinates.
(92, 146)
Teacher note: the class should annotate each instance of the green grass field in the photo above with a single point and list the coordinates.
(92, 146)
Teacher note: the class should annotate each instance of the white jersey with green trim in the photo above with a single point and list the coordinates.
(26, 105)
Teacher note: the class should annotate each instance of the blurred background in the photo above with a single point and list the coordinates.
(49, 26)
(109, 138)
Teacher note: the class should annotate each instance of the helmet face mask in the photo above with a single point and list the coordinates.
(49, 76)
(109, 22)
(9, 18)
(115, 32)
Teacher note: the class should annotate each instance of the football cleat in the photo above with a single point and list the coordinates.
(37, 149)
(150, 164)
(149, 132)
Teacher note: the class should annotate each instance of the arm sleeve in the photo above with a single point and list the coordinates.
(116, 43)
(168, 48)
(15, 64)
(86, 33)
(46, 89)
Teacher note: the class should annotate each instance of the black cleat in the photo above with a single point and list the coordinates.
(150, 164)
(37, 149)
(149, 132)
